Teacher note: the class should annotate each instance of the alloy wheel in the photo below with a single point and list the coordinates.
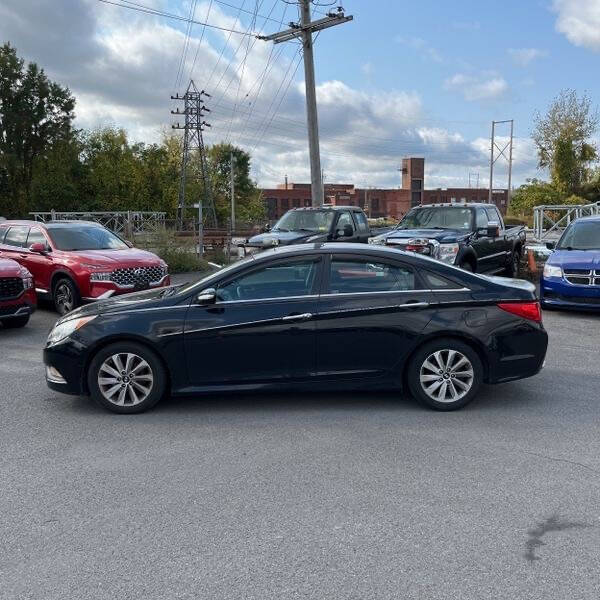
(125, 379)
(446, 376)
(64, 298)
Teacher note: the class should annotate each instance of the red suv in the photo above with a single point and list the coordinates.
(17, 296)
(75, 261)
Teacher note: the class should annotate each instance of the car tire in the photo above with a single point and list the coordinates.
(65, 295)
(436, 370)
(512, 270)
(467, 266)
(16, 322)
(135, 387)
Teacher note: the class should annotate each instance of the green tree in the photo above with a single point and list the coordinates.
(534, 193)
(563, 139)
(35, 116)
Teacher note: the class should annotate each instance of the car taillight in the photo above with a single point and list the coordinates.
(526, 310)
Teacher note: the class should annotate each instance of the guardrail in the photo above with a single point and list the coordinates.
(549, 217)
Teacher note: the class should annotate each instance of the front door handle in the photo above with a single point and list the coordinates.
(301, 317)
(414, 304)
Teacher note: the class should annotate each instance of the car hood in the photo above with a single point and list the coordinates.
(285, 238)
(11, 268)
(576, 259)
(126, 302)
(130, 256)
(444, 236)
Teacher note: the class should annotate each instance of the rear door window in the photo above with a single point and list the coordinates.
(16, 236)
(363, 224)
(363, 275)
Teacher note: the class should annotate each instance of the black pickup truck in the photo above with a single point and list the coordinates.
(469, 235)
(310, 225)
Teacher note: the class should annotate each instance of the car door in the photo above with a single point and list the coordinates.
(484, 244)
(370, 312)
(502, 246)
(345, 218)
(362, 227)
(40, 265)
(261, 328)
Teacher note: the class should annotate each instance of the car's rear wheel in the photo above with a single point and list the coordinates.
(512, 269)
(15, 322)
(126, 377)
(445, 374)
(65, 295)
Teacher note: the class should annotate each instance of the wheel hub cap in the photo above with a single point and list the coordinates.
(446, 376)
(125, 379)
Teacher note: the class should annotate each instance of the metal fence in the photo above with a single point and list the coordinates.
(126, 222)
(551, 220)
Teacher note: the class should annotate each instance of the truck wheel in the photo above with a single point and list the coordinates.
(65, 295)
(466, 266)
(512, 269)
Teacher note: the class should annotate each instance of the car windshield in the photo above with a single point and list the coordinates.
(305, 220)
(85, 237)
(584, 235)
(437, 218)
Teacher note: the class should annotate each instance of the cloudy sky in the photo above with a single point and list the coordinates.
(403, 79)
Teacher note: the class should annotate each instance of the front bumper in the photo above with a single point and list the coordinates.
(65, 367)
(22, 306)
(101, 290)
(557, 292)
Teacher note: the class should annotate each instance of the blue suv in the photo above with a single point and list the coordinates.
(571, 276)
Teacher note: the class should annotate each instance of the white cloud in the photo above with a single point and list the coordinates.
(423, 47)
(367, 68)
(579, 21)
(525, 56)
(476, 88)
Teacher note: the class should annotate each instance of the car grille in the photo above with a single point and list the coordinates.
(10, 287)
(133, 276)
(582, 276)
(573, 299)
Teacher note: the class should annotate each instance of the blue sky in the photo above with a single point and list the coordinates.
(404, 78)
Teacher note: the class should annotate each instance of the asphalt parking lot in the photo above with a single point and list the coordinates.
(322, 496)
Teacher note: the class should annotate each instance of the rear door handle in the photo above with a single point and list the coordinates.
(414, 304)
(302, 317)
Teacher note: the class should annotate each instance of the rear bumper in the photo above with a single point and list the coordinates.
(563, 295)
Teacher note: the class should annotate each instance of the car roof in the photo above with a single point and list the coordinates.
(458, 205)
(328, 207)
(30, 223)
(334, 248)
(591, 218)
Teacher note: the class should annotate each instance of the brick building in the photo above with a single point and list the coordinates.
(391, 202)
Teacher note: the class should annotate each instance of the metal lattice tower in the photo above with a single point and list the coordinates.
(193, 111)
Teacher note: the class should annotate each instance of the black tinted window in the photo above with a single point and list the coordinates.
(85, 237)
(16, 236)
(275, 281)
(348, 277)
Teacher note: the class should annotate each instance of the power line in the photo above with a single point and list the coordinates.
(159, 13)
(186, 44)
(201, 38)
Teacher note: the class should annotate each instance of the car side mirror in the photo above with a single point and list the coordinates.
(266, 228)
(493, 229)
(206, 297)
(551, 245)
(348, 231)
(38, 248)
(129, 244)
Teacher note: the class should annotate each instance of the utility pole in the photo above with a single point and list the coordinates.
(304, 31)
(501, 152)
(232, 194)
(193, 112)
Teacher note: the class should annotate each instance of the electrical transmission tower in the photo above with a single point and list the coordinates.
(193, 142)
(509, 158)
(304, 30)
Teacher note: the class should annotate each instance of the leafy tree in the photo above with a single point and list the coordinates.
(534, 193)
(563, 139)
(35, 115)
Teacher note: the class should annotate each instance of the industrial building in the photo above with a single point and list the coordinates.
(378, 202)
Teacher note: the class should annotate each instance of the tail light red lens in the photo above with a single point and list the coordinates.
(526, 310)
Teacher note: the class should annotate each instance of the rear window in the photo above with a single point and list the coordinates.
(433, 281)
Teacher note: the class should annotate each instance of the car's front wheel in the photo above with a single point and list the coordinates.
(445, 374)
(126, 377)
(65, 295)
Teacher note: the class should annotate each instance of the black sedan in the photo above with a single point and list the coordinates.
(323, 316)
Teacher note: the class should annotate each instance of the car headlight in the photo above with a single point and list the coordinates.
(552, 271)
(448, 253)
(63, 330)
(378, 240)
(100, 276)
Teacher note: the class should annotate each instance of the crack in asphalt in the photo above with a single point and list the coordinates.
(550, 524)
(563, 460)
